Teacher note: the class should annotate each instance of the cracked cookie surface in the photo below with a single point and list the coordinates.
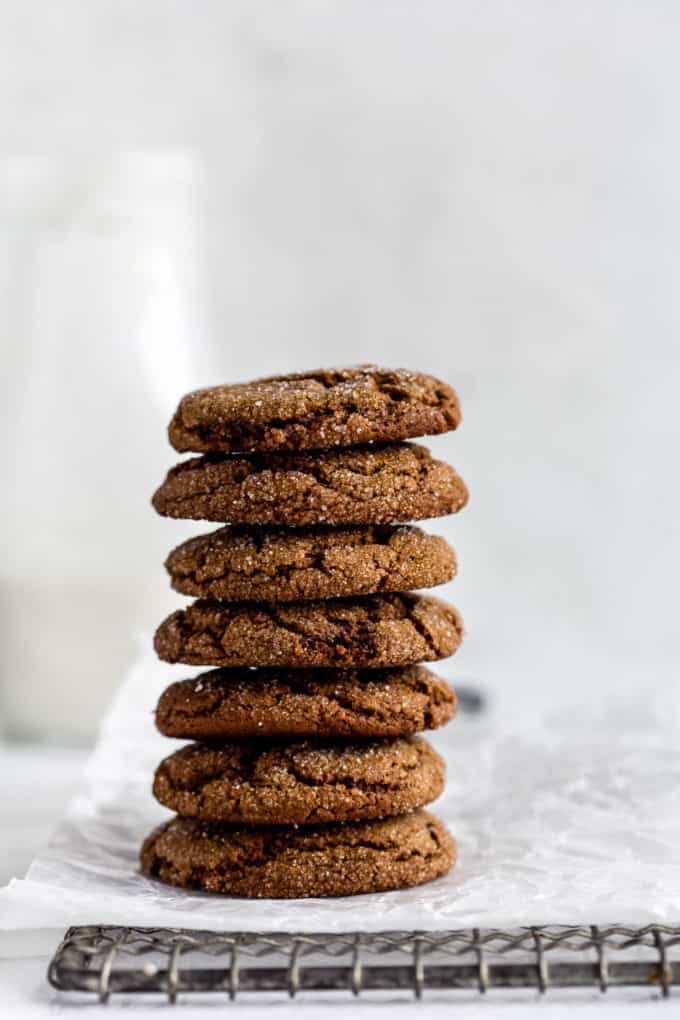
(274, 783)
(237, 563)
(389, 484)
(340, 859)
(373, 630)
(236, 703)
(314, 410)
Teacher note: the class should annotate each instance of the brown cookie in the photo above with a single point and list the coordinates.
(314, 410)
(340, 859)
(363, 485)
(375, 630)
(283, 565)
(274, 783)
(230, 704)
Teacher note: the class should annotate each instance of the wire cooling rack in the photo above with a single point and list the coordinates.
(104, 960)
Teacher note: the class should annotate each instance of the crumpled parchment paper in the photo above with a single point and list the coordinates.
(560, 818)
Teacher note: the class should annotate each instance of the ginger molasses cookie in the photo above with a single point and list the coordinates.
(228, 704)
(339, 859)
(277, 783)
(363, 485)
(314, 410)
(237, 563)
(373, 630)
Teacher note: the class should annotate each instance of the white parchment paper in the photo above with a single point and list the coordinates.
(560, 819)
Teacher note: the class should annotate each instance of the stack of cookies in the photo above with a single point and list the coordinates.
(306, 777)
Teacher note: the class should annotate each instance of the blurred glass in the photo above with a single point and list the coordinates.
(103, 325)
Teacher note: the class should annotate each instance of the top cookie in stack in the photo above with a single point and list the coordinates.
(314, 411)
(310, 583)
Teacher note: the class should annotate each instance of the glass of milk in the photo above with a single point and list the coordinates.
(102, 329)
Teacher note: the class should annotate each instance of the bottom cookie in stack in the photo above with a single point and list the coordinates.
(280, 862)
(301, 811)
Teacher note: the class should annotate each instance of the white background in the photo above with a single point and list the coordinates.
(487, 191)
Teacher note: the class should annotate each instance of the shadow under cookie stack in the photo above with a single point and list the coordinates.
(306, 777)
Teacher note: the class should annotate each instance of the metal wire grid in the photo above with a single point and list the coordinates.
(106, 959)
